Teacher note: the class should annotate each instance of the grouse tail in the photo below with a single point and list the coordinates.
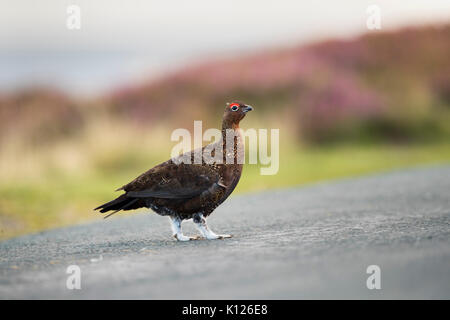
(120, 203)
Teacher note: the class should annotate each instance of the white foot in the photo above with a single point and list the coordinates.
(200, 222)
(214, 236)
(176, 229)
(182, 237)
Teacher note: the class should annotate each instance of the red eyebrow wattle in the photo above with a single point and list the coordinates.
(234, 104)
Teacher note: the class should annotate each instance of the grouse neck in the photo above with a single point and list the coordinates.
(227, 125)
(237, 145)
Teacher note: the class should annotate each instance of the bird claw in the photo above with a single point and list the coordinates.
(224, 236)
(181, 237)
(219, 236)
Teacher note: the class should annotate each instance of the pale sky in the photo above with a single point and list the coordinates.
(124, 41)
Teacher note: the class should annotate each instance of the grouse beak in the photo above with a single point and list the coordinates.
(247, 109)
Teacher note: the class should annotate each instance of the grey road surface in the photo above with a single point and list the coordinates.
(308, 242)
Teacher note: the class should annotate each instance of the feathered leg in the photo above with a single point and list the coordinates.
(200, 222)
(176, 230)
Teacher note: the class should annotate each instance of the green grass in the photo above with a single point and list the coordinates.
(58, 198)
(302, 166)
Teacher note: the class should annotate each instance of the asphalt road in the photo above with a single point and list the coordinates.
(308, 242)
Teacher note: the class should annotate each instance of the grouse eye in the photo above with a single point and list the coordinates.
(234, 107)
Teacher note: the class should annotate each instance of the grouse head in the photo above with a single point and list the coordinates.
(234, 112)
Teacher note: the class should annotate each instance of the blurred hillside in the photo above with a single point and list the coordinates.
(344, 107)
(393, 86)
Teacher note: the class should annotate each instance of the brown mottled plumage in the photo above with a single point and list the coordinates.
(188, 191)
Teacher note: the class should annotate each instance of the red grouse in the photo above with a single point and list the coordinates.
(191, 185)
